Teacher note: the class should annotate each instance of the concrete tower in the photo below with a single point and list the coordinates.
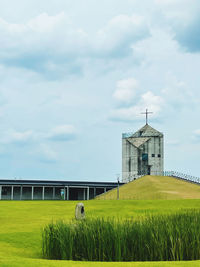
(142, 153)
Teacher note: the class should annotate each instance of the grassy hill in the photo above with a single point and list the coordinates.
(155, 187)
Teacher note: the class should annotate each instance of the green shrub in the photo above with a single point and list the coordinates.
(158, 238)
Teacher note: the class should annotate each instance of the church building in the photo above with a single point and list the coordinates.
(142, 153)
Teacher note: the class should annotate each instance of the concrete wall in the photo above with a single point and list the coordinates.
(129, 160)
(156, 161)
(132, 163)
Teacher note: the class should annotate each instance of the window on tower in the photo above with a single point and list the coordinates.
(145, 157)
(159, 155)
(153, 155)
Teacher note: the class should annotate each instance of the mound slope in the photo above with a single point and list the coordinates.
(155, 187)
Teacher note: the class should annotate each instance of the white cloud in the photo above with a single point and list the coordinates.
(62, 133)
(45, 153)
(127, 114)
(157, 48)
(46, 23)
(196, 137)
(177, 9)
(18, 137)
(40, 33)
(197, 134)
(44, 39)
(152, 102)
(147, 100)
(178, 94)
(120, 32)
(182, 16)
(126, 90)
(53, 44)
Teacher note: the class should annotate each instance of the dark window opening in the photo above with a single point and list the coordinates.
(159, 155)
(149, 170)
(145, 157)
(140, 133)
(153, 155)
(129, 165)
(4, 191)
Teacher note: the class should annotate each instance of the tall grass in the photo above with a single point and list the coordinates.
(156, 238)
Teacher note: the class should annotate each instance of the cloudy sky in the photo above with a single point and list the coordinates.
(76, 74)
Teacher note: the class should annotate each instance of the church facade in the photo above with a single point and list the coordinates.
(142, 153)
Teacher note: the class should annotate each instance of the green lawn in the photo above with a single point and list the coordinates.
(22, 223)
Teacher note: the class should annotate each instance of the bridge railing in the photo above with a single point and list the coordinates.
(183, 176)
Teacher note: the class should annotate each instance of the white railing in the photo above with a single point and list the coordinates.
(175, 174)
(183, 176)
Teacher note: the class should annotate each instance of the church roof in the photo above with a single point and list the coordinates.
(147, 131)
(138, 141)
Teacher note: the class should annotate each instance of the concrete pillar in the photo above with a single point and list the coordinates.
(53, 192)
(32, 193)
(88, 193)
(43, 192)
(64, 194)
(94, 192)
(104, 189)
(0, 191)
(12, 191)
(67, 193)
(83, 193)
(21, 192)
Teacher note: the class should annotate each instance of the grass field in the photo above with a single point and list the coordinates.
(22, 222)
(155, 187)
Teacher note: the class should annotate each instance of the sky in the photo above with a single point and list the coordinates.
(75, 75)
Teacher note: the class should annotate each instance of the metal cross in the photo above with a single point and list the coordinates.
(146, 115)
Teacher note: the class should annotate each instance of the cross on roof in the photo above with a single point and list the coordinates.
(146, 115)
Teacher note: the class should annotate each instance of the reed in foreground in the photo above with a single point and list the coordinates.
(158, 238)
